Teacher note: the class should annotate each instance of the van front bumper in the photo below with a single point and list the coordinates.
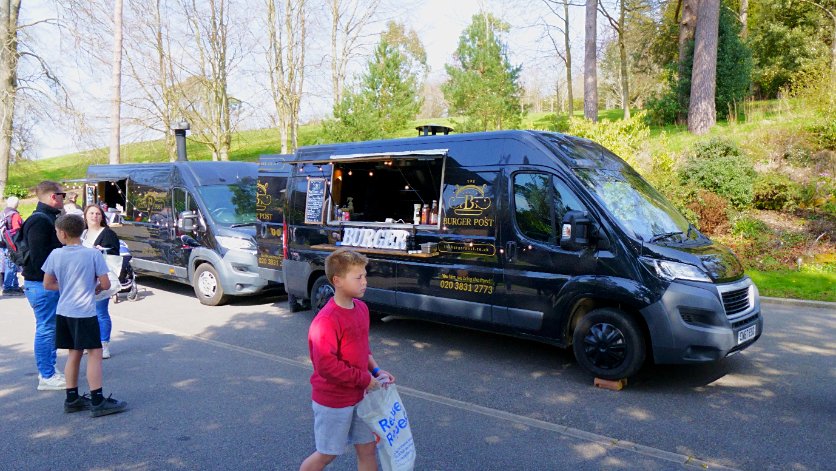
(702, 322)
(240, 275)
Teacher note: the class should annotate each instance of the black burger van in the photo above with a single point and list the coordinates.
(192, 222)
(533, 234)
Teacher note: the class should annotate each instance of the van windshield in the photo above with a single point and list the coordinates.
(230, 204)
(636, 205)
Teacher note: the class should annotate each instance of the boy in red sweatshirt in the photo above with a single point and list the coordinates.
(344, 368)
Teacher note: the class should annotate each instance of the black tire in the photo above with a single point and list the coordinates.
(321, 292)
(207, 286)
(609, 344)
(294, 304)
(133, 294)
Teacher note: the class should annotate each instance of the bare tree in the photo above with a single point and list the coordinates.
(153, 71)
(566, 56)
(286, 66)
(349, 19)
(116, 98)
(702, 114)
(206, 99)
(590, 63)
(9, 10)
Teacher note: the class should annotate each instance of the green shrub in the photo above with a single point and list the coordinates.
(622, 137)
(663, 109)
(750, 228)
(553, 122)
(16, 190)
(718, 166)
(775, 191)
(824, 133)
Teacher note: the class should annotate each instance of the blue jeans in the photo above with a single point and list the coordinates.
(44, 303)
(104, 319)
(10, 274)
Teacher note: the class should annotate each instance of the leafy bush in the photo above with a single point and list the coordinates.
(553, 122)
(824, 133)
(750, 228)
(711, 210)
(775, 191)
(663, 109)
(718, 166)
(16, 190)
(622, 137)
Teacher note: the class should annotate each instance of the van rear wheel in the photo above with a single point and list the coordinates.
(609, 344)
(207, 286)
(321, 293)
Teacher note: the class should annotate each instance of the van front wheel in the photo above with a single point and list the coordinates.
(321, 293)
(207, 286)
(609, 344)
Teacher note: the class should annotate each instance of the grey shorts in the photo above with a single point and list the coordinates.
(336, 428)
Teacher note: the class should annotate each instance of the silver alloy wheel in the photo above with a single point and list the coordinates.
(208, 284)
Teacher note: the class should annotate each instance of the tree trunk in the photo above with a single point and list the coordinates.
(116, 98)
(687, 26)
(702, 114)
(590, 65)
(9, 11)
(569, 96)
(336, 78)
(622, 48)
(744, 19)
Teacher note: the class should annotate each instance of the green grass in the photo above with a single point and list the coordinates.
(805, 284)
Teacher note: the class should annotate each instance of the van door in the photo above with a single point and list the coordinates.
(535, 267)
(271, 197)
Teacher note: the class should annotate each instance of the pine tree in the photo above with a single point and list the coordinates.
(483, 85)
(387, 96)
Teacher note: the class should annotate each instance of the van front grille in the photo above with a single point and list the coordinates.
(736, 301)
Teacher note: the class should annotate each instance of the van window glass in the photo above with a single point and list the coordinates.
(148, 204)
(564, 200)
(230, 204)
(533, 202)
(183, 201)
(636, 205)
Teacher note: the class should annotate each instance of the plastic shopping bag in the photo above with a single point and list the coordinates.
(383, 411)
(114, 265)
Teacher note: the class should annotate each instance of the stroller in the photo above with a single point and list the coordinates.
(127, 277)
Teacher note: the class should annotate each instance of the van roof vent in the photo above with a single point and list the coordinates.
(433, 129)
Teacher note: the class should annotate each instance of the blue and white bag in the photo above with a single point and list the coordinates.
(383, 411)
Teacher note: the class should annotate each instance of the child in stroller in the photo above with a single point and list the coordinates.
(127, 277)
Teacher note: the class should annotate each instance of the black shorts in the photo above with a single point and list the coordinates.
(77, 333)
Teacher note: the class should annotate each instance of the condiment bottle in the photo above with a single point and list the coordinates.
(434, 213)
(425, 214)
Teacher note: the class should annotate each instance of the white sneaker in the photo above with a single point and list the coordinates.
(56, 383)
(105, 350)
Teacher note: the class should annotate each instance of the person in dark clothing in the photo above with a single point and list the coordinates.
(97, 235)
(39, 230)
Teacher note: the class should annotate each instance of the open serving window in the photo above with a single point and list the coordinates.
(390, 189)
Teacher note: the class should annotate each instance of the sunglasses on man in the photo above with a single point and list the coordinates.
(60, 193)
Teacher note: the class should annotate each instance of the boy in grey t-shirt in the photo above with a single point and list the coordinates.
(79, 273)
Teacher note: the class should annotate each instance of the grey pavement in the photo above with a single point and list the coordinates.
(227, 388)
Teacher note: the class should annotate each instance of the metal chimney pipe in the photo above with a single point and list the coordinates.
(180, 138)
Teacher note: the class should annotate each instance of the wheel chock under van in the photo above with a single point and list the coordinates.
(613, 385)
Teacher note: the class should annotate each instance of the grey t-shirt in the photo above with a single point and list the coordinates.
(77, 269)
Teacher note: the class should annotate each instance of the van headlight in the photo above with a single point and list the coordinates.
(670, 271)
(235, 243)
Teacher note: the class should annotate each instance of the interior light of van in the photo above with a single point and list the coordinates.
(235, 243)
(670, 271)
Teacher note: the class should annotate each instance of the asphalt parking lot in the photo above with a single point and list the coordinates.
(227, 388)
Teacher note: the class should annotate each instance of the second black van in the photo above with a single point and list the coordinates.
(532, 234)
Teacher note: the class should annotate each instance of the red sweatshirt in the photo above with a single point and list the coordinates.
(338, 340)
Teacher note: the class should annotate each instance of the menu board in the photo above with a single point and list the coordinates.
(314, 201)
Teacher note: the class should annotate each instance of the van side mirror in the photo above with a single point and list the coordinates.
(576, 231)
(187, 221)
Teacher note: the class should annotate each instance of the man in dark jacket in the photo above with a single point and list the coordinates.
(39, 230)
